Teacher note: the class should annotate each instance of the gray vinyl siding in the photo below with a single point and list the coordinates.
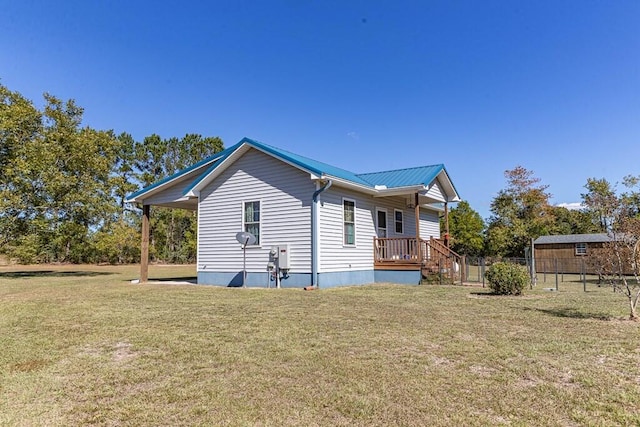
(176, 190)
(334, 255)
(429, 224)
(436, 192)
(285, 195)
(390, 204)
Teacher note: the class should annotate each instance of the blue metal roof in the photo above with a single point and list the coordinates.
(214, 158)
(318, 168)
(391, 179)
(422, 175)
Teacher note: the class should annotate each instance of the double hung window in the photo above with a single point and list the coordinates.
(349, 222)
(399, 221)
(251, 219)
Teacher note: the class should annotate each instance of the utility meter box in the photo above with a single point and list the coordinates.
(283, 257)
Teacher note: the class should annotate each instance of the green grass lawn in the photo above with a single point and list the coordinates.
(80, 345)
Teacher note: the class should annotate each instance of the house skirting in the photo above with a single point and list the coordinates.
(300, 280)
(405, 277)
(254, 280)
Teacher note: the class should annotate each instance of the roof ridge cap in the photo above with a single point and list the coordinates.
(401, 169)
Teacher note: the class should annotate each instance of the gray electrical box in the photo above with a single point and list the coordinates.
(283, 257)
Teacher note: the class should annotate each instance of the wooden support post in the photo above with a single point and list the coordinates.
(446, 224)
(144, 249)
(417, 217)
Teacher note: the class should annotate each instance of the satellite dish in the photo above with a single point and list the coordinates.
(245, 238)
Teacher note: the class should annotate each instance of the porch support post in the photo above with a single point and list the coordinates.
(446, 224)
(144, 248)
(417, 216)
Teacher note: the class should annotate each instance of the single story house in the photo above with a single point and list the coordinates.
(329, 226)
(569, 251)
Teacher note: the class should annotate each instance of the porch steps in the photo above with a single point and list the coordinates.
(435, 260)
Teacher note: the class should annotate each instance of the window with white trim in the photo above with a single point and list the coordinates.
(349, 221)
(398, 217)
(581, 248)
(251, 219)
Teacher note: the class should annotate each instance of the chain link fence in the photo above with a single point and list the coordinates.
(547, 272)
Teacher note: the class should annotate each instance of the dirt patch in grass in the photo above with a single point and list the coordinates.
(29, 365)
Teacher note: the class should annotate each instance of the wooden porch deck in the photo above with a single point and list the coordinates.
(411, 253)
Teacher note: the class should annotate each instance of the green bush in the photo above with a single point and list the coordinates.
(507, 279)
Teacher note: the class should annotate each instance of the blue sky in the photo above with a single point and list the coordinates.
(481, 86)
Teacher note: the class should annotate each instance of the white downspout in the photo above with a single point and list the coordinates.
(315, 231)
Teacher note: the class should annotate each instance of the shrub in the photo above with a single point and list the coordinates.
(506, 278)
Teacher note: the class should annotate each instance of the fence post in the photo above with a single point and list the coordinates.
(584, 276)
(452, 272)
(482, 272)
(544, 271)
(463, 269)
(556, 265)
(532, 271)
(467, 272)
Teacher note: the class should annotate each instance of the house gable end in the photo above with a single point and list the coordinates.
(284, 194)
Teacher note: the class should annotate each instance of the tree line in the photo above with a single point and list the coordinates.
(63, 186)
(522, 211)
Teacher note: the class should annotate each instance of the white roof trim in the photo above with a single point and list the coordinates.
(176, 179)
(349, 184)
(401, 191)
(448, 186)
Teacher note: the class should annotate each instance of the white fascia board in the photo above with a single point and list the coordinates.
(140, 197)
(400, 191)
(452, 194)
(351, 185)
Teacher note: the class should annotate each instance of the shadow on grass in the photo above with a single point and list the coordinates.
(491, 294)
(589, 282)
(52, 273)
(572, 313)
(174, 279)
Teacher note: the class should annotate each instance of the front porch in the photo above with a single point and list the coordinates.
(430, 257)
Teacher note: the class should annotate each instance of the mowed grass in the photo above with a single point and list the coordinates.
(80, 345)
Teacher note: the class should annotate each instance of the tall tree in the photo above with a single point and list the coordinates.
(63, 186)
(600, 200)
(572, 221)
(618, 262)
(20, 124)
(519, 212)
(466, 227)
(173, 236)
(56, 184)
